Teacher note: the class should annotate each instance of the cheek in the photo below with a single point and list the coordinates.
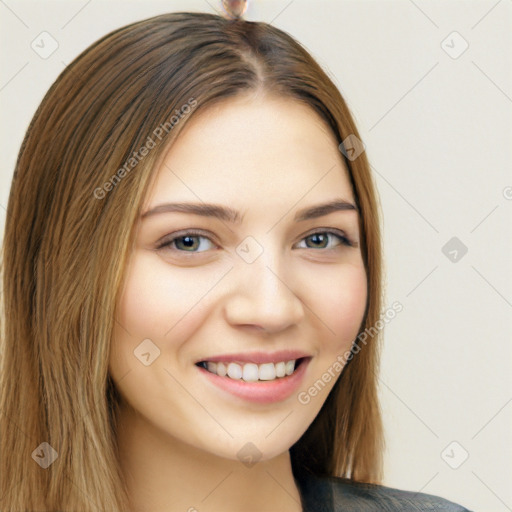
(339, 301)
(156, 301)
(165, 306)
(160, 305)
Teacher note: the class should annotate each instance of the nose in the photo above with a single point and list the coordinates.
(263, 298)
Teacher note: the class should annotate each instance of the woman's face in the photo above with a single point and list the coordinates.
(236, 289)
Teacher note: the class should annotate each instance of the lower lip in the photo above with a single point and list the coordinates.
(260, 392)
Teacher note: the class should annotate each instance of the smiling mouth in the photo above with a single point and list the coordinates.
(251, 372)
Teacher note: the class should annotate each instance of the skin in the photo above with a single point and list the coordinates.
(179, 434)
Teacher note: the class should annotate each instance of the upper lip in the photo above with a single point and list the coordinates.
(257, 357)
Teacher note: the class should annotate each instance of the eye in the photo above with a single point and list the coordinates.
(186, 242)
(321, 238)
(190, 241)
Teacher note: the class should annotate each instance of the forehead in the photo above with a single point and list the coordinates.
(253, 150)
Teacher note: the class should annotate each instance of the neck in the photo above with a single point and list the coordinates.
(163, 474)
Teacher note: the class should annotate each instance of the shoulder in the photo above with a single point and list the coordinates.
(378, 497)
(340, 494)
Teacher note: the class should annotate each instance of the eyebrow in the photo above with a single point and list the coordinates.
(228, 214)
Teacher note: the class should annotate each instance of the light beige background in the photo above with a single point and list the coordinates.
(438, 134)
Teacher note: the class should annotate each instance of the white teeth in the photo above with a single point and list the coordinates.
(280, 369)
(234, 371)
(221, 369)
(267, 371)
(251, 372)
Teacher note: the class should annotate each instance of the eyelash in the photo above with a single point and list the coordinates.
(166, 244)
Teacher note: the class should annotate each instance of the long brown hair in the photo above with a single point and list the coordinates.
(70, 229)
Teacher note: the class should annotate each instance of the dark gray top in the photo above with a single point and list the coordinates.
(334, 494)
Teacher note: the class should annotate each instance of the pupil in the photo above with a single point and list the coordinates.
(317, 236)
(188, 241)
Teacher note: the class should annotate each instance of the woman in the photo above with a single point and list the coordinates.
(192, 264)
